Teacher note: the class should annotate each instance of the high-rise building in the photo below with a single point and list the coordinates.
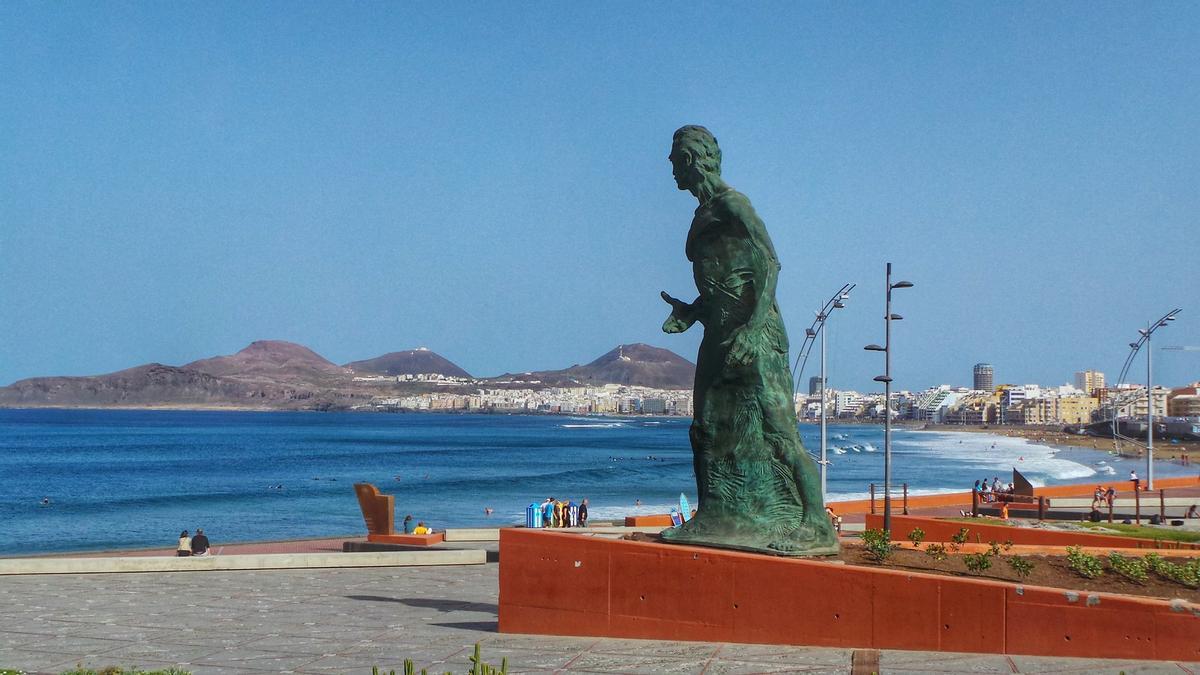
(814, 385)
(1088, 381)
(983, 377)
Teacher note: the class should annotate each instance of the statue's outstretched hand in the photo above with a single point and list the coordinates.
(681, 315)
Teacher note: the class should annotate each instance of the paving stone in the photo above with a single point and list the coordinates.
(927, 662)
(347, 620)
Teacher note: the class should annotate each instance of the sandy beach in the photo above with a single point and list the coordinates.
(1054, 435)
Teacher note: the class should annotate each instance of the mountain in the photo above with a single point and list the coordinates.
(411, 362)
(637, 364)
(271, 360)
(148, 385)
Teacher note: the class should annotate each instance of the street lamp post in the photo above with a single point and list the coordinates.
(1146, 335)
(817, 329)
(886, 379)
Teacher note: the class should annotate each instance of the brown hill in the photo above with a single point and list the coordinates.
(637, 365)
(151, 384)
(274, 360)
(411, 362)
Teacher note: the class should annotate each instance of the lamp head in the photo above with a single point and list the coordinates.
(895, 317)
(874, 348)
(902, 284)
(883, 378)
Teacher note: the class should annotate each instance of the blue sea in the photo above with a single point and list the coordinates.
(131, 479)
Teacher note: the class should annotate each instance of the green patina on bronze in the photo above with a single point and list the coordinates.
(759, 490)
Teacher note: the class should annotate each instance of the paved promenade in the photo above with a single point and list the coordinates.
(347, 620)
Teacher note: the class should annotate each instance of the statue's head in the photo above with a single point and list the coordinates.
(694, 155)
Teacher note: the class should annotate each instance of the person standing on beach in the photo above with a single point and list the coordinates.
(184, 550)
(199, 543)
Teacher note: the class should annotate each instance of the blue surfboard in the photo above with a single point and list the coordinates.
(685, 510)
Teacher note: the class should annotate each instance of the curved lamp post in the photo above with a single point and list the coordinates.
(817, 329)
(886, 379)
(1144, 339)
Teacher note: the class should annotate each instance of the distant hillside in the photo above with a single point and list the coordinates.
(148, 385)
(411, 362)
(273, 360)
(637, 364)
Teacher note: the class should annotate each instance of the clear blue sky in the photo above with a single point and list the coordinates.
(490, 180)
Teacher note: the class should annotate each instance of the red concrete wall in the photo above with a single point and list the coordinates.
(983, 532)
(564, 584)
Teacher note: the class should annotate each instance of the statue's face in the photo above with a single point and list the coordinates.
(683, 167)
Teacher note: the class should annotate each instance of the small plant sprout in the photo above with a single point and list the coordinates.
(1020, 565)
(916, 537)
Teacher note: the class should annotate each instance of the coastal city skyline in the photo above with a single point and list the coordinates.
(180, 182)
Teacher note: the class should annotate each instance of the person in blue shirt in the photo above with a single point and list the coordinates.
(408, 524)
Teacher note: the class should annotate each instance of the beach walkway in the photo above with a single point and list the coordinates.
(348, 620)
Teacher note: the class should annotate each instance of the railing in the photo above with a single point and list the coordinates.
(904, 496)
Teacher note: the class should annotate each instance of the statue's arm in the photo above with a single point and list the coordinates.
(683, 314)
(751, 338)
(762, 257)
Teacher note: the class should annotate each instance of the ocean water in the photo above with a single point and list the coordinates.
(128, 479)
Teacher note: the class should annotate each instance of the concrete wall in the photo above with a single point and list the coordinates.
(559, 584)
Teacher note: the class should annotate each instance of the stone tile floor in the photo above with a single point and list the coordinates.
(348, 620)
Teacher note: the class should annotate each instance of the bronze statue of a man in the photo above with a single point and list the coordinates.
(758, 488)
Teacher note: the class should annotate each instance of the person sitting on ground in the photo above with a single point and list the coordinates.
(184, 549)
(199, 543)
(422, 529)
(834, 519)
(408, 524)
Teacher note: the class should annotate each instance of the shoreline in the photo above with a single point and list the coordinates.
(1054, 436)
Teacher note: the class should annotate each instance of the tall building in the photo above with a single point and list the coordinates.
(983, 377)
(1088, 381)
(814, 385)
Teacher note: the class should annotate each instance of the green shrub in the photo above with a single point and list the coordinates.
(916, 537)
(1186, 574)
(936, 551)
(1134, 569)
(993, 548)
(1020, 565)
(958, 539)
(877, 545)
(1084, 564)
(977, 562)
(478, 667)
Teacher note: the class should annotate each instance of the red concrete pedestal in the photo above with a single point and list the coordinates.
(567, 584)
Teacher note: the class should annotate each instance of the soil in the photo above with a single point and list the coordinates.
(1048, 570)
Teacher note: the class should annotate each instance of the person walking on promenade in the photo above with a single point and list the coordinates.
(583, 513)
(199, 543)
(1133, 478)
(184, 550)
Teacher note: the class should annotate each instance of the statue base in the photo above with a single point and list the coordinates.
(554, 583)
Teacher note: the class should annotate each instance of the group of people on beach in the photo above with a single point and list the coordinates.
(988, 492)
(192, 546)
(558, 513)
(419, 528)
(1103, 497)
